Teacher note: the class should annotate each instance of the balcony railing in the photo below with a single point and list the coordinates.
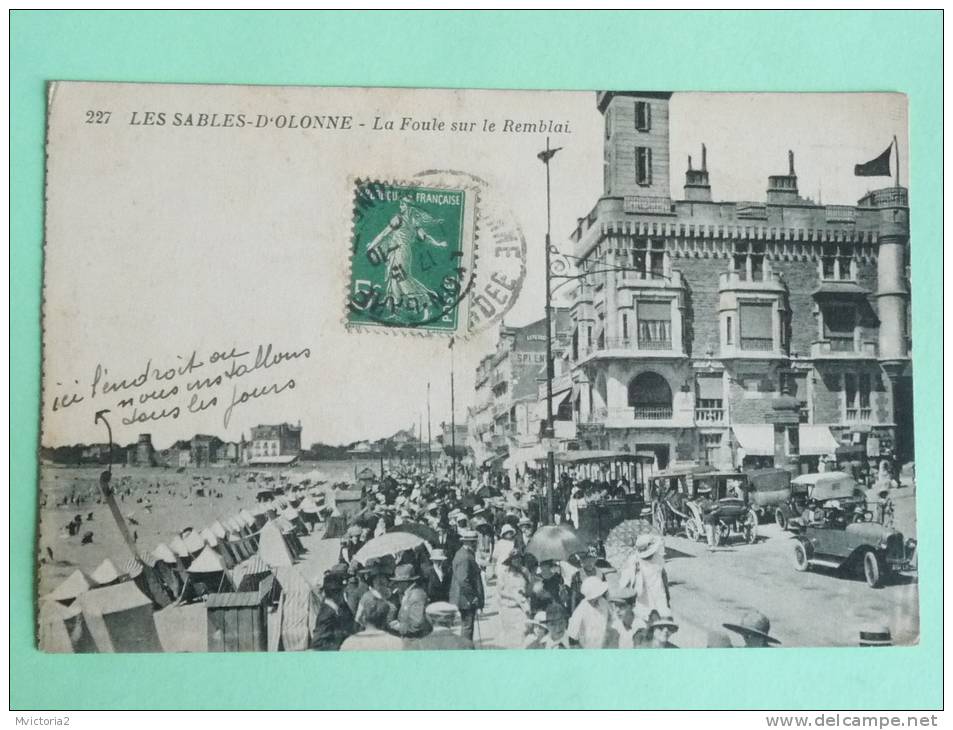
(759, 279)
(840, 213)
(857, 415)
(761, 344)
(712, 416)
(843, 346)
(638, 413)
(648, 344)
(884, 198)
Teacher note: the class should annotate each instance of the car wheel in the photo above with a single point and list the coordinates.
(801, 562)
(780, 519)
(873, 569)
(751, 527)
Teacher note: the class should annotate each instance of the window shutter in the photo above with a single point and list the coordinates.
(648, 165)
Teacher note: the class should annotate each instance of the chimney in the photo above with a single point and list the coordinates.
(697, 186)
(782, 189)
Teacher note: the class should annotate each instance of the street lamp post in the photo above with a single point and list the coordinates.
(548, 433)
(453, 422)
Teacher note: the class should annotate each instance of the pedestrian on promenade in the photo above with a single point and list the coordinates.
(378, 593)
(651, 580)
(623, 623)
(335, 622)
(590, 620)
(557, 622)
(374, 636)
(502, 550)
(443, 618)
(411, 619)
(513, 593)
(659, 630)
(466, 583)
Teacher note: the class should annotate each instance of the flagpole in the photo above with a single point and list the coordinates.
(896, 149)
(429, 447)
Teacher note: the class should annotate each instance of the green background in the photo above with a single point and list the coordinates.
(743, 51)
(375, 218)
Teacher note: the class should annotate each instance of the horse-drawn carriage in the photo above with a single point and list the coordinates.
(694, 501)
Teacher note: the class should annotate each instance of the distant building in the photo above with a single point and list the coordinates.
(142, 453)
(275, 444)
(95, 454)
(203, 449)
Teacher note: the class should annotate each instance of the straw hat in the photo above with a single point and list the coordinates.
(441, 611)
(646, 545)
(507, 529)
(621, 594)
(437, 554)
(593, 587)
(754, 623)
(468, 535)
(657, 620)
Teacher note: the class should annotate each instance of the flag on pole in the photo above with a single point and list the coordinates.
(547, 154)
(879, 166)
(450, 346)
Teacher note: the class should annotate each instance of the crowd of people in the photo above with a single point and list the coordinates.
(482, 545)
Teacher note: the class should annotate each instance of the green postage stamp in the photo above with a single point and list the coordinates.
(412, 257)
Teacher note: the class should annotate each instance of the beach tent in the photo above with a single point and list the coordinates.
(62, 629)
(177, 544)
(217, 529)
(150, 581)
(106, 574)
(71, 588)
(294, 517)
(238, 545)
(309, 512)
(249, 573)
(298, 610)
(288, 532)
(119, 618)
(193, 542)
(208, 537)
(163, 553)
(272, 547)
(208, 574)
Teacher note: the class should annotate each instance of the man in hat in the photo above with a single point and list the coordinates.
(356, 586)
(755, 629)
(335, 622)
(443, 617)
(434, 569)
(557, 623)
(659, 630)
(589, 622)
(622, 623)
(466, 583)
(411, 621)
(586, 561)
(378, 593)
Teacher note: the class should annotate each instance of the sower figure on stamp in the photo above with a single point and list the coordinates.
(394, 246)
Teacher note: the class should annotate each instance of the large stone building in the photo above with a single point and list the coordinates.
(735, 333)
(504, 421)
(273, 444)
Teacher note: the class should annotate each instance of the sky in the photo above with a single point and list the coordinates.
(162, 241)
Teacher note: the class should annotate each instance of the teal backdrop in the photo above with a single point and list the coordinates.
(709, 51)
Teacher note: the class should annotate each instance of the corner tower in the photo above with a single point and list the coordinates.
(636, 143)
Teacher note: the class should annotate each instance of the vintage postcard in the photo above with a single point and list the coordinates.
(348, 369)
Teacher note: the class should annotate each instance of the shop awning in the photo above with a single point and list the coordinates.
(816, 440)
(558, 399)
(756, 440)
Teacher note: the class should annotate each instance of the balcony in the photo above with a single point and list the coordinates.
(844, 348)
(757, 344)
(709, 416)
(857, 415)
(884, 198)
(653, 205)
(628, 347)
(630, 416)
(732, 280)
(840, 213)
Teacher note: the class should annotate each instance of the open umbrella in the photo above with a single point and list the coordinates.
(620, 543)
(554, 542)
(390, 543)
(424, 532)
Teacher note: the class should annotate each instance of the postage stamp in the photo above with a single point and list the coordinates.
(412, 256)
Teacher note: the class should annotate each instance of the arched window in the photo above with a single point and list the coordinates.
(650, 396)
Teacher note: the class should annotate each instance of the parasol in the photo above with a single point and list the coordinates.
(424, 532)
(390, 543)
(620, 543)
(554, 542)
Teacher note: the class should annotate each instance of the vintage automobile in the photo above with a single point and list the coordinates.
(687, 502)
(768, 489)
(811, 489)
(835, 536)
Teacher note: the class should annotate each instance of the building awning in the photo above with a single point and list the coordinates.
(816, 440)
(840, 288)
(756, 440)
(558, 400)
